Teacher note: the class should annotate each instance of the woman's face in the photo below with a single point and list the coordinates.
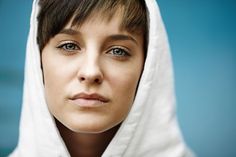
(91, 74)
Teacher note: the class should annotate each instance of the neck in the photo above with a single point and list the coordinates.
(86, 144)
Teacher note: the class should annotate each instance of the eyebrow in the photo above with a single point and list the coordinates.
(69, 32)
(118, 37)
(115, 37)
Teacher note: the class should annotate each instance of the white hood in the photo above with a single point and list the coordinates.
(150, 130)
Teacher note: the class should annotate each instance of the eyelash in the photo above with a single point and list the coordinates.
(72, 49)
(124, 52)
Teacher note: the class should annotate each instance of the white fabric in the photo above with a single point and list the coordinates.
(150, 130)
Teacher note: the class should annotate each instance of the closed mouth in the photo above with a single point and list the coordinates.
(89, 100)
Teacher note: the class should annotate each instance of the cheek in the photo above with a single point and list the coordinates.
(56, 78)
(124, 82)
(124, 85)
(56, 72)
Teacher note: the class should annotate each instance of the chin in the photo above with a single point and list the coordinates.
(88, 123)
(87, 130)
(92, 128)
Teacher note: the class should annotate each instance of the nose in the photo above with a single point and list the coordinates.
(90, 71)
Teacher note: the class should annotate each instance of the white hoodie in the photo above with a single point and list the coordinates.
(150, 129)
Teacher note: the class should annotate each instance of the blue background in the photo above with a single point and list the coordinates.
(202, 35)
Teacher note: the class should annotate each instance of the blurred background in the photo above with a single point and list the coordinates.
(202, 35)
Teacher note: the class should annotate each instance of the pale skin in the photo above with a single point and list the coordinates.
(91, 74)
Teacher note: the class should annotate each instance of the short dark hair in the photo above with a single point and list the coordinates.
(55, 14)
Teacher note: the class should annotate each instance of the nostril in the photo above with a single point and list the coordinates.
(90, 80)
(82, 78)
(97, 80)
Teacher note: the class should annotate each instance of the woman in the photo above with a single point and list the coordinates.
(98, 82)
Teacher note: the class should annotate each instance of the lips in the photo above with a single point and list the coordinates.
(89, 100)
